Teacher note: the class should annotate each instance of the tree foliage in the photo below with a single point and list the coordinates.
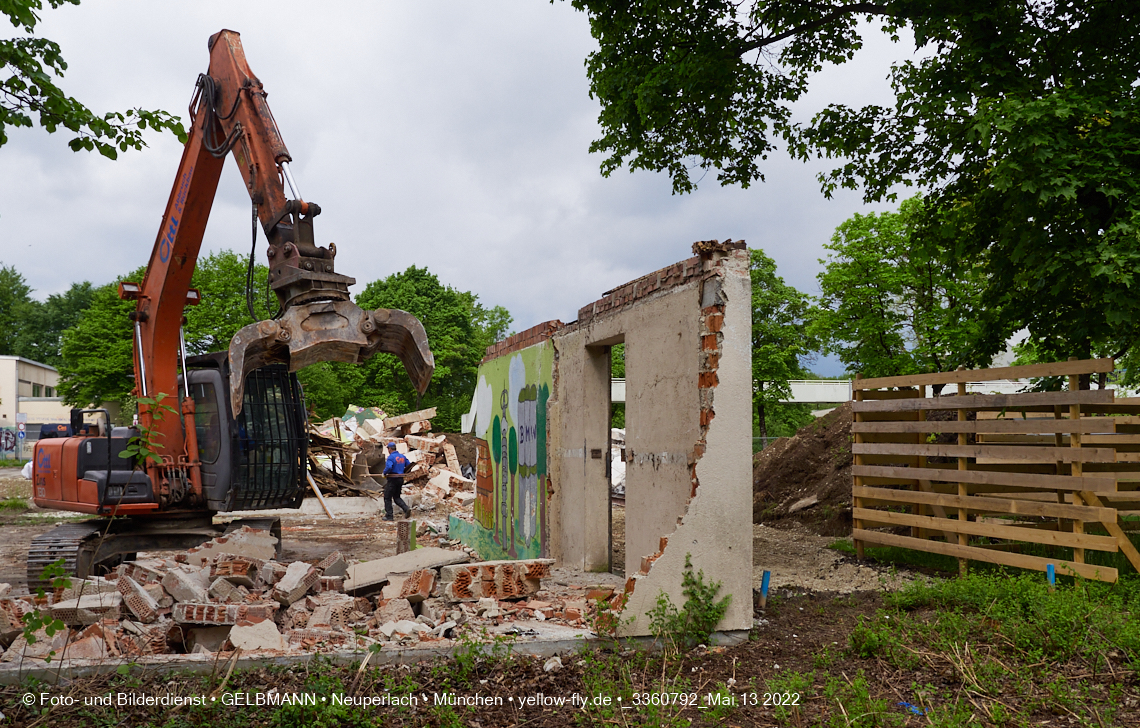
(29, 94)
(459, 330)
(40, 333)
(15, 300)
(891, 305)
(96, 355)
(1018, 120)
(781, 342)
(220, 279)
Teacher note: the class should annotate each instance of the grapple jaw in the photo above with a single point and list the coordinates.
(329, 331)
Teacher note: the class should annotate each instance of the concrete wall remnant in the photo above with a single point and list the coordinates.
(687, 335)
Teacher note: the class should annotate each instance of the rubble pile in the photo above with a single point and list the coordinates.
(348, 454)
(231, 593)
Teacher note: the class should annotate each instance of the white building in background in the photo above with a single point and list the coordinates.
(29, 388)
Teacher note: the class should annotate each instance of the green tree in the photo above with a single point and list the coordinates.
(891, 305)
(96, 353)
(15, 302)
(29, 90)
(459, 330)
(221, 280)
(97, 359)
(1018, 120)
(40, 336)
(781, 344)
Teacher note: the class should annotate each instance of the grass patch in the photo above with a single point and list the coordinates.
(13, 504)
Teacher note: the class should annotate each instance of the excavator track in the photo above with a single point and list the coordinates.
(75, 543)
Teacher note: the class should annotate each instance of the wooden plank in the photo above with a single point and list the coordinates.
(1021, 561)
(904, 437)
(1114, 529)
(982, 477)
(1036, 453)
(990, 530)
(1056, 369)
(1100, 425)
(982, 504)
(890, 394)
(996, 401)
(889, 460)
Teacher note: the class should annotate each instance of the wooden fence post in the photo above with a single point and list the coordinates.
(1077, 468)
(857, 502)
(963, 464)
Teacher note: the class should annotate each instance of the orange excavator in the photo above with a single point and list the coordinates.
(224, 431)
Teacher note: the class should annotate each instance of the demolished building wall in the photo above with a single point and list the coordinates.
(687, 331)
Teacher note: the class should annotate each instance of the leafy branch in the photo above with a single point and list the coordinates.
(144, 446)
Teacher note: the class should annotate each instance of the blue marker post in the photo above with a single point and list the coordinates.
(1051, 574)
(764, 589)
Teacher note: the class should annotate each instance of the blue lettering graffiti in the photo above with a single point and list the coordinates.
(44, 462)
(168, 241)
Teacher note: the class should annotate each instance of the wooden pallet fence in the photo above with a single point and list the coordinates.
(978, 476)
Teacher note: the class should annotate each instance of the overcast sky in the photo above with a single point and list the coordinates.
(451, 135)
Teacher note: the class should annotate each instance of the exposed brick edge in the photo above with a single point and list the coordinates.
(711, 344)
(530, 337)
(669, 277)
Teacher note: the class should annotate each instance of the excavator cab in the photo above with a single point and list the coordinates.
(255, 459)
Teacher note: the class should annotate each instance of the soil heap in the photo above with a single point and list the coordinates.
(807, 478)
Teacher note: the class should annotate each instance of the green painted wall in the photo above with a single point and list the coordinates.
(511, 399)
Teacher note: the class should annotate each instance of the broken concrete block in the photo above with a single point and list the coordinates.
(331, 584)
(394, 611)
(296, 616)
(242, 572)
(307, 639)
(426, 444)
(452, 457)
(82, 587)
(271, 572)
(405, 626)
(226, 591)
(463, 498)
(88, 609)
(145, 639)
(333, 613)
(138, 601)
(40, 649)
(333, 565)
(246, 541)
(184, 585)
(159, 595)
(12, 613)
(261, 635)
(803, 504)
(407, 419)
(487, 607)
(299, 578)
(417, 587)
(208, 639)
(392, 589)
(5, 590)
(441, 630)
(186, 613)
(440, 485)
(143, 572)
(89, 648)
(369, 574)
(419, 428)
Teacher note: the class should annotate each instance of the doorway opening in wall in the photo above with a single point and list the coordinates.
(616, 462)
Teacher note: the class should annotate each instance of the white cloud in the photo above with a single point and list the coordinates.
(450, 135)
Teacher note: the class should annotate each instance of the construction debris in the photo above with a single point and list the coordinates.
(347, 456)
(224, 596)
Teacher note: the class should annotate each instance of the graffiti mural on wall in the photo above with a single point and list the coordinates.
(512, 478)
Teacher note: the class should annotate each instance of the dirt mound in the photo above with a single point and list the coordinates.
(807, 478)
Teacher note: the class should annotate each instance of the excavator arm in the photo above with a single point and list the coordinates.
(317, 320)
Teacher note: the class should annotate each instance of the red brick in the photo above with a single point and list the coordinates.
(707, 417)
(712, 360)
(714, 322)
(417, 587)
(708, 379)
(709, 342)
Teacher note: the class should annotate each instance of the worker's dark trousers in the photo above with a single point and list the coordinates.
(392, 489)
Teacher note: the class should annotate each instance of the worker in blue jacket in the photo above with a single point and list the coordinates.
(394, 469)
